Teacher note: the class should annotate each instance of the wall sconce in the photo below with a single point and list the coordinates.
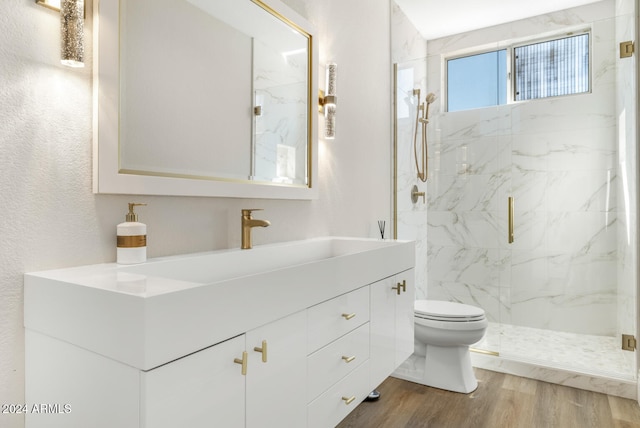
(51, 4)
(327, 102)
(71, 30)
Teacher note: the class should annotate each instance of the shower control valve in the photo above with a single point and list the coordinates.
(415, 195)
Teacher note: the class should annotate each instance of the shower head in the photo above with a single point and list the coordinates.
(429, 99)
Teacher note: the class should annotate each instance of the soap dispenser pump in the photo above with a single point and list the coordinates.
(132, 239)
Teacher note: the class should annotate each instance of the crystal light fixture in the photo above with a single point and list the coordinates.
(330, 100)
(71, 29)
(72, 32)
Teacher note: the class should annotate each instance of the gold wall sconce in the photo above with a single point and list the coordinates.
(327, 102)
(51, 4)
(71, 29)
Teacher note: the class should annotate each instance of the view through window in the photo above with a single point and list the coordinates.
(544, 69)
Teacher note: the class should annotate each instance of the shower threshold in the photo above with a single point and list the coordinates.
(595, 363)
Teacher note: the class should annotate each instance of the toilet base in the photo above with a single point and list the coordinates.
(449, 368)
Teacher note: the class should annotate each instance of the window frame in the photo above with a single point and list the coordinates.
(510, 46)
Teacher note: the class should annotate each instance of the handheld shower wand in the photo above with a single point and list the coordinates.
(431, 97)
(424, 120)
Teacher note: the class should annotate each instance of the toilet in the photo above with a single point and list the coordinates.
(443, 333)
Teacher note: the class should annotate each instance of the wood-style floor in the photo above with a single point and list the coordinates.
(501, 401)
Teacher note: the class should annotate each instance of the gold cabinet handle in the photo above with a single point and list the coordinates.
(263, 350)
(398, 289)
(348, 316)
(348, 400)
(511, 237)
(348, 359)
(403, 285)
(242, 362)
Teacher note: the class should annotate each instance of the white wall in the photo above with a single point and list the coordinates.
(49, 217)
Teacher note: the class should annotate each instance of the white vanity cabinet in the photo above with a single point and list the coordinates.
(277, 374)
(165, 343)
(338, 357)
(205, 389)
(208, 388)
(392, 325)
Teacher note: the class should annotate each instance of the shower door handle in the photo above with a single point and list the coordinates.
(510, 220)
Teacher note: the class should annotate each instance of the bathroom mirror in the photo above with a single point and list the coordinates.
(205, 98)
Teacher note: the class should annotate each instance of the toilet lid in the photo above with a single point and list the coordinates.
(447, 311)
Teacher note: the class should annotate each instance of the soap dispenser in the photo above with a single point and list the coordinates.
(132, 239)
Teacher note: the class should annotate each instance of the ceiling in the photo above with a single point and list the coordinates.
(438, 18)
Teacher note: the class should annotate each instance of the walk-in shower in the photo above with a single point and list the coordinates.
(531, 206)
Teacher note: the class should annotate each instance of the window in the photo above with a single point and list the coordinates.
(549, 69)
(544, 69)
(477, 81)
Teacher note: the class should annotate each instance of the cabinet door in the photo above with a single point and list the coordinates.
(391, 323)
(205, 389)
(276, 389)
(405, 324)
(383, 330)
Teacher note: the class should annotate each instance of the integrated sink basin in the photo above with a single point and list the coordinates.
(150, 314)
(216, 266)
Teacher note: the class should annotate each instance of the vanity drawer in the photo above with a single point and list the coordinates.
(337, 402)
(336, 317)
(328, 365)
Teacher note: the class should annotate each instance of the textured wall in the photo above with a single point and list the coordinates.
(49, 217)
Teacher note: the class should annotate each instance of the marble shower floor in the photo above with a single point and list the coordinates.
(597, 355)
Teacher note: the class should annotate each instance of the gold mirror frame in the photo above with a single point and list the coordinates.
(109, 178)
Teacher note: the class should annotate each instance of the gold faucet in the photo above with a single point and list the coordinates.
(247, 223)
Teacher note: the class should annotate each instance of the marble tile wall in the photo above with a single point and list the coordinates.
(559, 159)
(567, 161)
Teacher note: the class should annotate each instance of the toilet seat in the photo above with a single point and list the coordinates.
(438, 310)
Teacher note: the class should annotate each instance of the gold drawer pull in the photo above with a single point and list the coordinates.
(242, 362)
(348, 400)
(348, 316)
(263, 350)
(348, 359)
(398, 289)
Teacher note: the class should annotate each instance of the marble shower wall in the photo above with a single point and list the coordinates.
(559, 159)
(408, 52)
